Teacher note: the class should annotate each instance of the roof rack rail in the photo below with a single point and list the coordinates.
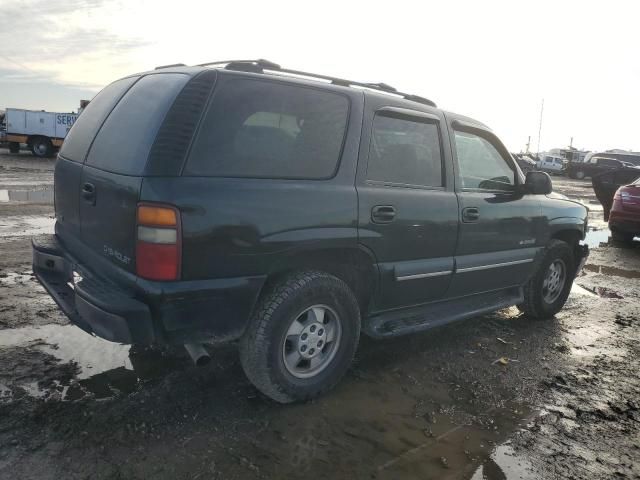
(260, 65)
(260, 62)
(169, 66)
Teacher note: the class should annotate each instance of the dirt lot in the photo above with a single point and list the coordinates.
(566, 403)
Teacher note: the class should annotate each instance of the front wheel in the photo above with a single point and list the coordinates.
(302, 337)
(548, 289)
(580, 175)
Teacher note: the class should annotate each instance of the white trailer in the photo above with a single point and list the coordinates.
(42, 131)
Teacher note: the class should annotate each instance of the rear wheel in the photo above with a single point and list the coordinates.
(14, 147)
(302, 337)
(41, 147)
(548, 289)
(579, 174)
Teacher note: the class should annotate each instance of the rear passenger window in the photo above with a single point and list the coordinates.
(81, 135)
(405, 151)
(262, 129)
(123, 143)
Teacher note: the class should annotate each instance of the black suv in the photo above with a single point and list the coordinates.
(289, 211)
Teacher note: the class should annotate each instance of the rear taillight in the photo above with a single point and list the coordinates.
(158, 242)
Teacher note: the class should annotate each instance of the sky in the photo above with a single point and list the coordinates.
(492, 60)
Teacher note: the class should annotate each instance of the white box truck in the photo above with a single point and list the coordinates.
(43, 132)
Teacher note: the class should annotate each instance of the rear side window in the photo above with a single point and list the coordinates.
(262, 129)
(123, 143)
(77, 141)
(405, 151)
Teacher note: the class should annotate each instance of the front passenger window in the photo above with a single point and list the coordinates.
(481, 165)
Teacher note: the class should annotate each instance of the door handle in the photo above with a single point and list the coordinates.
(89, 193)
(470, 214)
(383, 213)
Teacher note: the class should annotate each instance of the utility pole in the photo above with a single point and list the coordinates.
(540, 127)
(571, 144)
(528, 144)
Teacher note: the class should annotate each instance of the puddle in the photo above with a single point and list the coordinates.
(505, 464)
(68, 343)
(27, 225)
(479, 447)
(39, 195)
(104, 369)
(595, 237)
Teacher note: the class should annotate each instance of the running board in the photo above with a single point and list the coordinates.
(424, 317)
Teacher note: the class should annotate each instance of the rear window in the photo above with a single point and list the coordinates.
(77, 141)
(123, 143)
(262, 129)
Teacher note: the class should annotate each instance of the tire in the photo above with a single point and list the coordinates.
(580, 175)
(622, 237)
(41, 147)
(14, 147)
(538, 302)
(266, 348)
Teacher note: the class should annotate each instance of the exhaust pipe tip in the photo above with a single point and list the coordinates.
(198, 354)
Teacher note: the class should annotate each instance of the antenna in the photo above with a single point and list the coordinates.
(540, 127)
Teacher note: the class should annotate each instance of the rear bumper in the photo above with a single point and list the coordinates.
(125, 309)
(624, 222)
(95, 305)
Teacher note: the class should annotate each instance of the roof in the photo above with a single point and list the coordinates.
(261, 66)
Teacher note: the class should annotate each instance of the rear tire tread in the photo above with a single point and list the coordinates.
(255, 343)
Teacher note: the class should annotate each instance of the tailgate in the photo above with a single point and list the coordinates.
(114, 168)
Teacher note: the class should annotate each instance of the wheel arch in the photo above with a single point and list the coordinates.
(354, 265)
(572, 237)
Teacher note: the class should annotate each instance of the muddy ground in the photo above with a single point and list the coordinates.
(565, 403)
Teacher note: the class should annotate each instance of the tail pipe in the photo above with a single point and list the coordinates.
(197, 353)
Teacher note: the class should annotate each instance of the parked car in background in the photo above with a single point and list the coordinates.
(291, 213)
(624, 219)
(525, 162)
(597, 165)
(607, 183)
(552, 164)
(629, 157)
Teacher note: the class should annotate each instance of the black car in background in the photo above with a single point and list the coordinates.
(597, 165)
(291, 211)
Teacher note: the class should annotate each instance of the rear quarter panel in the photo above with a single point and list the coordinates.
(242, 227)
(235, 227)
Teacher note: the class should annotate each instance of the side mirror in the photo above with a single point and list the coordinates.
(538, 183)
